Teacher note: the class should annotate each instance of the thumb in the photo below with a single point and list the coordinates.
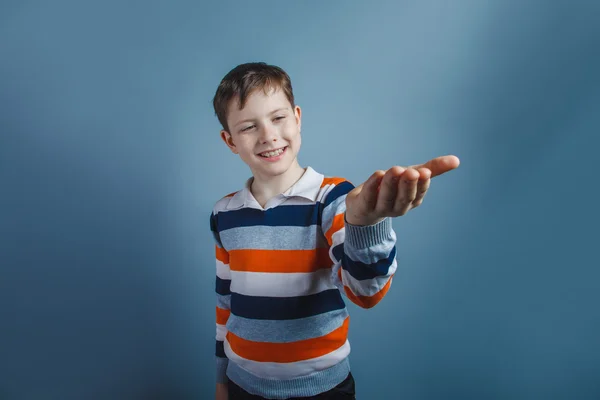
(355, 192)
(368, 191)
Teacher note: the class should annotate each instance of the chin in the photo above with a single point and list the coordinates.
(277, 169)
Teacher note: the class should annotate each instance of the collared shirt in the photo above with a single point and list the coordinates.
(307, 187)
(281, 271)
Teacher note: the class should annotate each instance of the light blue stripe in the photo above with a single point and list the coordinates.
(286, 331)
(369, 244)
(304, 386)
(329, 212)
(273, 237)
(371, 254)
(217, 239)
(224, 301)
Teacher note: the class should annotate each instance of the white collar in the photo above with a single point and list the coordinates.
(307, 186)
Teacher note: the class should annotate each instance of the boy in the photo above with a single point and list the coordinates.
(290, 243)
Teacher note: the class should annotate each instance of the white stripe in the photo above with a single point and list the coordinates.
(367, 287)
(324, 192)
(223, 270)
(337, 207)
(338, 237)
(285, 284)
(221, 332)
(291, 370)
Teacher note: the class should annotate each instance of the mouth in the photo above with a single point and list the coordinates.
(272, 154)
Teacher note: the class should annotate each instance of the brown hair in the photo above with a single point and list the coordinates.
(244, 79)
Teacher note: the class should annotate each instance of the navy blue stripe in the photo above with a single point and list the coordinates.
(220, 349)
(222, 286)
(362, 271)
(213, 222)
(279, 308)
(340, 189)
(213, 229)
(298, 215)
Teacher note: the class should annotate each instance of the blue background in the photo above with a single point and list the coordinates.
(110, 162)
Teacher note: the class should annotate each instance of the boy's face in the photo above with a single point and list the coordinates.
(265, 133)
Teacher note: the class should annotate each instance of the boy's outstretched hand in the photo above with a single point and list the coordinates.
(394, 192)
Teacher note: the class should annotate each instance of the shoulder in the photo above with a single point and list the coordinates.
(220, 206)
(223, 202)
(333, 188)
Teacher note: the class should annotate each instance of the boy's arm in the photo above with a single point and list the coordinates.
(364, 256)
(357, 224)
(222, 283)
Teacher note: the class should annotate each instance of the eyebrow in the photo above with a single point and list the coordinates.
(271, 113)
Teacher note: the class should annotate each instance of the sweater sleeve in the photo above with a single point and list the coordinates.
(223, 294)
(364, 257)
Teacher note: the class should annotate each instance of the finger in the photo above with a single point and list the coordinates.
(368, 194)
(424, 173)
(440, 165)
(422, 186)
(388, 191)
(407, 191)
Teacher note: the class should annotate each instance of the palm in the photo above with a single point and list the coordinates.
(394, 192)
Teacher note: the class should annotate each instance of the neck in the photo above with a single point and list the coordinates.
(264, 188)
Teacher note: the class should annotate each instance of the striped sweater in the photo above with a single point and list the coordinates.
(281, 321)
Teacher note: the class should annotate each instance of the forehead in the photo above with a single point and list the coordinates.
(258, 104)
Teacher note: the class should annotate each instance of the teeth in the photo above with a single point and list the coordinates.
(272, 153)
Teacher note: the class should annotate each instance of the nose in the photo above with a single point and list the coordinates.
(269, 133)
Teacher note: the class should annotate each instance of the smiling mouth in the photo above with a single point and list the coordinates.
(272, 153)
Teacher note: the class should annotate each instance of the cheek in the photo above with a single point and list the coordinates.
(246, 146)
(293, 134)
(297, 142)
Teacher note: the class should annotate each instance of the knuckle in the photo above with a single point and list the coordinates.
(388, 200)
(383, 207)
(401, 202)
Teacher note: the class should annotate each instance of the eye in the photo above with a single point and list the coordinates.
(279, 117)
(247, 128)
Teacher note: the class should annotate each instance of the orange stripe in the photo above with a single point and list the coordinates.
(222, 316)
(289, 352)
(366, 301)
(279, 260)
(230, 194)
(222, 255)
(332, 181)
(336, 225)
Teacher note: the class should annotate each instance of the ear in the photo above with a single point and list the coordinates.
(298, 115)
(226, 136)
